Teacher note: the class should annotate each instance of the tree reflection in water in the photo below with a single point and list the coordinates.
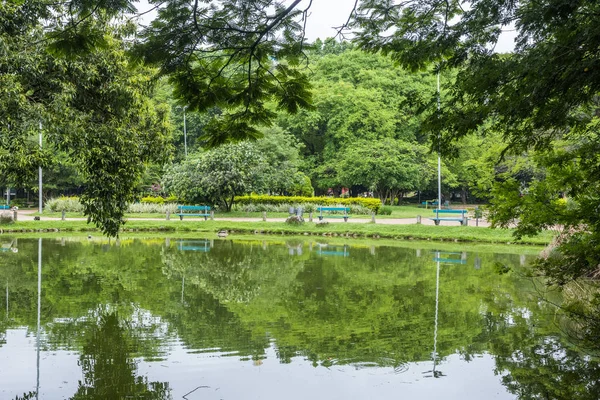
(109, 370)
(372, 309)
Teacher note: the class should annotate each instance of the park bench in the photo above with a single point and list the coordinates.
(433, 203)
(193, 211)
(345, 211)
(4, 207)
(455, 216)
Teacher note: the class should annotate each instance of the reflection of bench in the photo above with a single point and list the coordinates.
(344, 210)
(450, 257)
(8, 247)
(193, 211)
(457, 215)
(332, 252)
(194, 245)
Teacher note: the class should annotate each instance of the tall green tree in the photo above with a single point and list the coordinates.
(389, 167)
(216, 176)
(65, 65)
(542, 95)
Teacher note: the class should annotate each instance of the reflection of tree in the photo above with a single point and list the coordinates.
(543, 368)
(370, 309)
(109, 372)
(532, 355)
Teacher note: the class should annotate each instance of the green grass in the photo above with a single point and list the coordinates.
(398, 212)
(396, 232)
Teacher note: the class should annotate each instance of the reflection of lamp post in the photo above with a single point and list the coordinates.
(184, 130)
(437, 297)
(434, 372)
(39, 308)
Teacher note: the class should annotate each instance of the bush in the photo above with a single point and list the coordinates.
(152, 200)
(306, 208)
(158, 200)
(385, 210)
(151, 208)
(21, 203)
(67, 204)
(370, 203)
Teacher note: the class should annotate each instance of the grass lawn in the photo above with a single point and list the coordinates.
(379, 231)
(398, 212)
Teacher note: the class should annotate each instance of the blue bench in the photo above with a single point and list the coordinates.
(455, 216)
(4, 207)
(193, 211)
(434, 203)
(344, 210)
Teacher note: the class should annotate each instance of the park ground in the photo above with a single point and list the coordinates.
(401, 225)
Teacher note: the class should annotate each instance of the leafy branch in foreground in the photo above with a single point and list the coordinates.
(233, 55)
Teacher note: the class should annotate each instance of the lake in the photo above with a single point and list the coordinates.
(167, 318)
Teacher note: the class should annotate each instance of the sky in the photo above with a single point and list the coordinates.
(325, 15)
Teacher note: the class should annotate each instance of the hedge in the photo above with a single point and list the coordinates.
(368, 202)
(158, 200)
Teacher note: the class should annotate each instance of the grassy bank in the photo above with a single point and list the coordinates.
(378, 231)
(407, 211)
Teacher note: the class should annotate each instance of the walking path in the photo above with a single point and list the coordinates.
(26, 215)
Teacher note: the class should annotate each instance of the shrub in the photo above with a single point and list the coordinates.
(151, 208)
(385, 210)
(306, 208)
(21, 203)
(171, 199)
(67, 204)
(367, 202)
(152, 200)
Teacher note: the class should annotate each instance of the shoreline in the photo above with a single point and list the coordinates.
(254, 227)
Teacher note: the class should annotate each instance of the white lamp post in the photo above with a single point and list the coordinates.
(40, 176)
(439, 148)
(184, 130)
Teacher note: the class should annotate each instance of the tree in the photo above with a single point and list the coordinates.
(389, 167)
(280, 152)
(357, 96)
(542, 95)
(66, 66)
(216, 176)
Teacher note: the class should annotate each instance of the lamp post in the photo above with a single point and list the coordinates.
(184, 130)
(439, 148)
(40, 175)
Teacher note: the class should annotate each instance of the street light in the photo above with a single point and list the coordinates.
(439, 147)
(40, 201)
(184, 130)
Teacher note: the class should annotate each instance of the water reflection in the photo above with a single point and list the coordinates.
(146, 319)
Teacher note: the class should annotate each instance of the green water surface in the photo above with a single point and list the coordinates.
(224, 319)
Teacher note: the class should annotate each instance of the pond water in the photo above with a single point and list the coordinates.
(221, 319)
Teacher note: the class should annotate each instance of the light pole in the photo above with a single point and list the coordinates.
(184, 130)
(40, 175)
(439, 148)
